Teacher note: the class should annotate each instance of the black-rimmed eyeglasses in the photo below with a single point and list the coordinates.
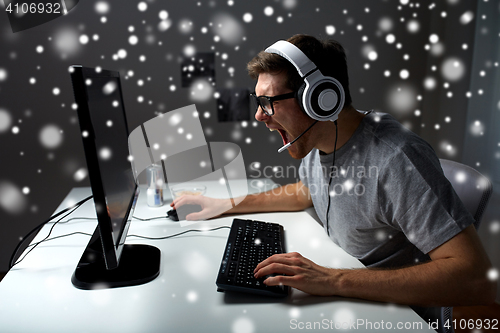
(266, 102)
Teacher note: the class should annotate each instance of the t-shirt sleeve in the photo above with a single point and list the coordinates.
(416, 198)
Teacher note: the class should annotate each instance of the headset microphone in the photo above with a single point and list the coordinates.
(285, 147)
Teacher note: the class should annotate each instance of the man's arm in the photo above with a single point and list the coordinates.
(456, 275)
(291, 197)
(287, 198)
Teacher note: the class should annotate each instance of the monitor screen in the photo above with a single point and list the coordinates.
(111, 141)
(107, 261)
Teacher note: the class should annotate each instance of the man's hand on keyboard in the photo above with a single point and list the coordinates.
(210, 207)
(300, 273)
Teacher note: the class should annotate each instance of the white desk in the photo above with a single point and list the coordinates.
(37, 294)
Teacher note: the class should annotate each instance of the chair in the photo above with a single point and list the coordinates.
(474, 190)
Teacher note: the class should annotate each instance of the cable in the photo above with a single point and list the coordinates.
(46, 239)
(73, 208)
(151, 218)
(95, 218)
(331, 178)
(61, 236)
(152, 238)
(181, 233)
(77, 218)
(134, 217)
(78, 204)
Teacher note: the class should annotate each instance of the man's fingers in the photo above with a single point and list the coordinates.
(276, 268)
(280, 280)
(285, 258)
(187, 199)
(178, 202)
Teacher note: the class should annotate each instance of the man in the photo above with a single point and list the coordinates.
(379, 191)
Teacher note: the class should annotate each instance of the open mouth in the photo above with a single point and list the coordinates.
(284, 136)
(283, 133)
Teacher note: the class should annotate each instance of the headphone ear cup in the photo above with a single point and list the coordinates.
(324, 98)
(300, 94)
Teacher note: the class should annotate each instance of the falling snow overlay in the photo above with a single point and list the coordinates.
(430, 64)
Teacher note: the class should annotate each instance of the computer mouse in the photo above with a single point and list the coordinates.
(172, 214)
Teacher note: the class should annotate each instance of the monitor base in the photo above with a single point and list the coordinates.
(139, 264)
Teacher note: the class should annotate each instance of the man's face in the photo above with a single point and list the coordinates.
(288, 119)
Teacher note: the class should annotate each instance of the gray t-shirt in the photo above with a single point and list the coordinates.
(390, 202)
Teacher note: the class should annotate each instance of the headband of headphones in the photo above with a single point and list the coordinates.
(294, 55)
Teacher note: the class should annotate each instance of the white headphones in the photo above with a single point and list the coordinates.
(321, 97)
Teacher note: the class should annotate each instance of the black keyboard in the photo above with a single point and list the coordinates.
(249, 243)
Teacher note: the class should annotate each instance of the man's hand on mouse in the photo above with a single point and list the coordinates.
(210, 207)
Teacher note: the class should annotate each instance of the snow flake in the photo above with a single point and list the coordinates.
(11, 198)
(330, 29)
(268, 11)
(3, 74)
(5, 120)
(101, 7)
(142, 6)
(51, 136)
(133, 40)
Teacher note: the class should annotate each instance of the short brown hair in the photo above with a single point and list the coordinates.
(328, 55)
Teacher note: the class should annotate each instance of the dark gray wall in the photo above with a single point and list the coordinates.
(47, 166)
(482, 138)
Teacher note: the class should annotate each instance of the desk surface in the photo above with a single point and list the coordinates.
(37, 294)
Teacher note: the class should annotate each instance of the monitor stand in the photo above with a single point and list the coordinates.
(139, 264)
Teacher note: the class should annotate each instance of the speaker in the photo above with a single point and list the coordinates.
(321, 97)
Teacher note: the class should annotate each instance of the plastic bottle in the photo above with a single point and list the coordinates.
(155, 186)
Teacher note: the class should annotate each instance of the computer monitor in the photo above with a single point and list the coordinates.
(107, 261)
